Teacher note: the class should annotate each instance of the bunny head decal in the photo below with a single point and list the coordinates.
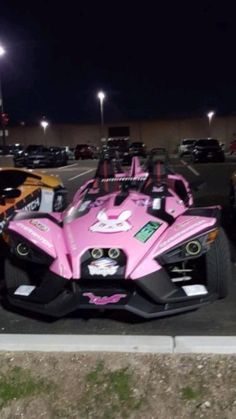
(111, 225)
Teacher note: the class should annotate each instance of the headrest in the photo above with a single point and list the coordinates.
(105, 169)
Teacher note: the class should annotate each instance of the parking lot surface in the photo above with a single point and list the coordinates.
(218, 318)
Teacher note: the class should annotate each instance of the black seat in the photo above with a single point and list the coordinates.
(105, 179)
(105, 169)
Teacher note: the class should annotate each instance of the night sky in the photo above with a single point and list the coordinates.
(172, 59)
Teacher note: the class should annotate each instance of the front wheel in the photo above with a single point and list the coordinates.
(218, 264)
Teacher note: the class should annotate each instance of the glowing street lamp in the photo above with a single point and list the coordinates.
(101, 96)
(210, 116)
(2, 51)
(44, 124)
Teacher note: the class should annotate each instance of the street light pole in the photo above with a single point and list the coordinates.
(101, 96)
(2, 52)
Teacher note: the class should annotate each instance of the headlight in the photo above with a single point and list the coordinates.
(27, 250)
(114, 253)
(22, 249)
(192, 248)
(97, 253)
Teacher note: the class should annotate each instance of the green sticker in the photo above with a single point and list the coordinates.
(147, 231)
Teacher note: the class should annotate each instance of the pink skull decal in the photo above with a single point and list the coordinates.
(111, 225)
(101, 301)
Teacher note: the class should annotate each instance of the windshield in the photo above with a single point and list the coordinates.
(137, 144)
(32, 148)
(82, 146)
(188, 142)
(118, 143)
(207, 143)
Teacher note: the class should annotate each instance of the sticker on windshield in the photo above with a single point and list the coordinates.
(147, 231)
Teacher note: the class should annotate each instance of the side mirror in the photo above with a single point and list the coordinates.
(8, 193)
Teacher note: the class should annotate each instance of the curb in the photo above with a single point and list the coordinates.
(86, 343)
(116, 343)
(205, 344)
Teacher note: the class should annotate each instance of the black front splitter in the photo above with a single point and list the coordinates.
(67, 302)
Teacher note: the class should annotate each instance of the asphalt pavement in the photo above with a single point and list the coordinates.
(218, 318)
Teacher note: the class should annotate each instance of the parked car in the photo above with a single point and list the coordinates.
(208, 150)
(59, 155)
(70, 151)
(84, 151)
(129, 241)
(40, 156)
(137, 148)
(29, 191)
(15, 148)
(186, 146)
(119, 148)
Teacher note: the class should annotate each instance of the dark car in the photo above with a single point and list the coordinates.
(119, 148)
(84, 151)
(70, 151)
(137, 148)
(208, 150)
(60, 156)
(15, 148)
(39, 156)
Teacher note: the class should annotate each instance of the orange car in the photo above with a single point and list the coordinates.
(30, 191)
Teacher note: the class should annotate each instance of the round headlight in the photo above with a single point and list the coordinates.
(193, 248)
(97, 253)
(114, 253)
(22, 249)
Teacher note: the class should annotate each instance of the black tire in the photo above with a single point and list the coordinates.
(14, 274)
(218, 265)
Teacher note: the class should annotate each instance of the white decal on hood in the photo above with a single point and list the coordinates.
(39, 225)
(103, 267)
(111, 225)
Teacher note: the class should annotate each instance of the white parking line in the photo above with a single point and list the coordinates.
(194, 171)
(67, 166)
(80, 174)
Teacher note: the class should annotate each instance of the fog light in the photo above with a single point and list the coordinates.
(97, 253)
(114, 253)
(193, 248)
(22, 249)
